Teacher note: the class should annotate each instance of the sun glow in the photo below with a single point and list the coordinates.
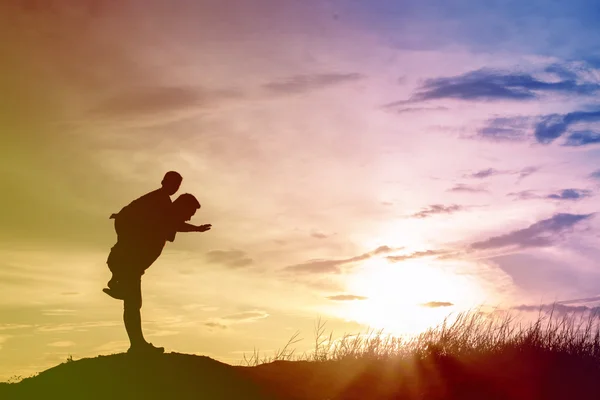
(407, 298)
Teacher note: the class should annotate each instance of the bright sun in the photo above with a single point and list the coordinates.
(396, 293)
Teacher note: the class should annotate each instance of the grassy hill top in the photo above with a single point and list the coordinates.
(473, 358)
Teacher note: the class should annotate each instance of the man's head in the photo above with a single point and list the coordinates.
(186, 206)
(171, 182)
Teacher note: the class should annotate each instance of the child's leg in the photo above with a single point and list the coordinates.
(112, 282)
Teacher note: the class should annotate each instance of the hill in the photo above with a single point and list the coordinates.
(476, 357)
(179, 376)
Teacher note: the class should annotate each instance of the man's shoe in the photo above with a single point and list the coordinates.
(113, 293)
(147, 348)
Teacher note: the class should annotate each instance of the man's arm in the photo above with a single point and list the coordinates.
(185, 227)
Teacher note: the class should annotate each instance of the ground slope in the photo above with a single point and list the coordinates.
(517, 374)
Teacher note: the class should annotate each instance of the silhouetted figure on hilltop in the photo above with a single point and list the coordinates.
(143, 227)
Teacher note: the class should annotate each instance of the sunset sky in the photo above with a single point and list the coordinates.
(377, 163)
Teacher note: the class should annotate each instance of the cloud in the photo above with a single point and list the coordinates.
(436, 209)
(215, 325)
(524, 195)
(80, 327)
(58, 312)
(149, 100)
(230, 258)
(558, 308)
(437, 304)
(595, 174)
(564, 194)
(488, 84)
(64, 343)
(552, 126)
(584, 300)
(506, 129)
(489, 172)
(485, 173)
(415, 109)
(4, 327)
(582, 138)
(561, 71)
(540, 234)
(417, 254)
(304, 83)
(525, 172)
(246, 316)
(334, 266)
(238, 318)
(346, 297)
(462, 188)
(569, 194)
(319, 235)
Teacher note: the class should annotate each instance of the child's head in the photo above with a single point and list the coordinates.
(185, 206)
(171, 182)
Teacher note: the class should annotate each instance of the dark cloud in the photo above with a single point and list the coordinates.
(303, 83)
(334, 266)
(560, 309)
(215, 325)
(462, 188)
(229, 258)
(552, 126)
(319, 235)
(561, 71)
(437, 304)
(582, 138)
(564, 194)
(487, 84)
(436, 209)
(486, 173)
(595, 174)
(506, 129)
(346, 297)
(569, 194)
(584, 300)
(540, 234)
(417, 254)
(161, 99)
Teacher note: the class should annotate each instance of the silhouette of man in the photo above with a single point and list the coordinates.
(138, 246)
(143, 215)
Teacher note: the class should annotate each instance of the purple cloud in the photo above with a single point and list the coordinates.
(553, 126)
(488, 84)
(334, 266)
(582, 138)
(569, 194)
(436, 209)
(462, 188)
(540, 234)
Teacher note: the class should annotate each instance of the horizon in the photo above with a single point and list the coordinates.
(375, 165)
